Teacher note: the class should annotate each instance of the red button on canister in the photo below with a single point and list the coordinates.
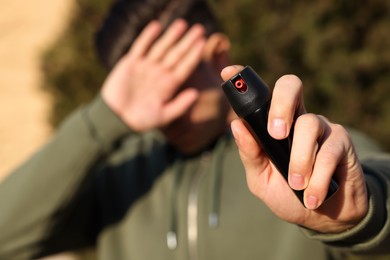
(240, 85)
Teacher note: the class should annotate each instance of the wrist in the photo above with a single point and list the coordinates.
(105, 125)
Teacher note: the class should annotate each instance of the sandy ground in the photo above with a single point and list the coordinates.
(26, 28)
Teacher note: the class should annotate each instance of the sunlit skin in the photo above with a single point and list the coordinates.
(320, 150)
(171, 81)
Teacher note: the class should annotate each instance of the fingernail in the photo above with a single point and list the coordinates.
(311, 202)
(279, 128)
(297, 181)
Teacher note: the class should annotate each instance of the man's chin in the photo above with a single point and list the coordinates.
(187, 148)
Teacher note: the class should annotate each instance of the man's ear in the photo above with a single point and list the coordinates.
(217, 51)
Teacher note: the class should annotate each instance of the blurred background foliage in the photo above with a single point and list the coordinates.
(72, 73)
(340, 49)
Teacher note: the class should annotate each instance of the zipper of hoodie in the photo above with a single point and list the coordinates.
(192, 206)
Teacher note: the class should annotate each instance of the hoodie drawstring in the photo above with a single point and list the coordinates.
(216, 171)
(172, 233)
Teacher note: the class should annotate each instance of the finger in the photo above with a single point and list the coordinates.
(143, 42)
(172, 84)
(183, 46)
(286, 103)
(251, 155)
(250, 151)
(308, 129)
(168, 39)
(178, 105)
(331, 151)
(230, 71)
(190, 61)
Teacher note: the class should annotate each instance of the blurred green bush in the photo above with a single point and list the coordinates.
(72, 71)
(340, 49)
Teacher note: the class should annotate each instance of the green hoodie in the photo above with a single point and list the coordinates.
(99, 185)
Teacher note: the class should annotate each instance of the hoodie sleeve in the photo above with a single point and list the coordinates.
(32, 197)
(372, 234)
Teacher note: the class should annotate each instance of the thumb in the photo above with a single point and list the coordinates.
(250, 152)
(230, 71)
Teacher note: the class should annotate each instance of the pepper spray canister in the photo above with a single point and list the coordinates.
(250, 98)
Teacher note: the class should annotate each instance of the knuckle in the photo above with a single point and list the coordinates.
(341, 134)
(309, 120)
(330, 153)
(339, 129)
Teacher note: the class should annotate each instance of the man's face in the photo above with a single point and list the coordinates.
(206, 119)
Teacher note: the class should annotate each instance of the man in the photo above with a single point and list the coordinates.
(149, 170)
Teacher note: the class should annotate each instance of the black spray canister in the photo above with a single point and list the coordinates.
(250, 98)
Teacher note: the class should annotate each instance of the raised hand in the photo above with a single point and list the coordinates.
(144, 88)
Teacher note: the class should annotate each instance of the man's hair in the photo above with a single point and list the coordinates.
(126, 19)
